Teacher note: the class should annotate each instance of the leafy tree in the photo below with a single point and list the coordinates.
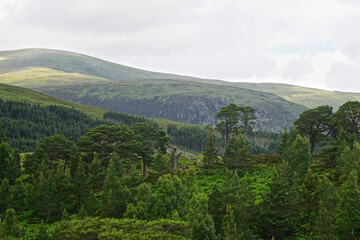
(229, 118)
(210, 154)
(236, 155)
(315, 124)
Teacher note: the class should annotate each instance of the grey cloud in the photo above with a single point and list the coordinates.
(344, 76)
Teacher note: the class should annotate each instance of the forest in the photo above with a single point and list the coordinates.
(131, 182)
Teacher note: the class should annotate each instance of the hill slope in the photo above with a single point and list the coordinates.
(70, 62)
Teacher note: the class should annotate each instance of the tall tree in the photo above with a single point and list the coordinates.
(298, 155)
(210, 154)
(229, 118)
(236, 154)
(247, 117)
(348, 116)
(200, 220)
(216, 208)
(229, 225)
(348, 218)
(315, 124)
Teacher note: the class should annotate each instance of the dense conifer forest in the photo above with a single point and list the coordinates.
(130, 182)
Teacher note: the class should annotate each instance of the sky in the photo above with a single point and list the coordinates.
(312, 43)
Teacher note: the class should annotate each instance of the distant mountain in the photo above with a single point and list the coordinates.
(70, 62)
(95, 82)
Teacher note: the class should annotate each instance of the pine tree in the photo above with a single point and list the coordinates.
(229, 225)
(324, 224)
(42, 234)
(236, 156)
(348, 218)
(62, 191)
(96, 174)
(81, 188)
(160, 164)
(279, 214)
(298, 156)
(308, 198)
(200, 220)
(210, 154)
(11, 228)
(350, 161)
(244, 210)
(284, 143)
(216, 208)
(2, 134)
(4, 196)
(113, 202)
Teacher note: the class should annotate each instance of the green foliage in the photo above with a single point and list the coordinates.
(236, 156)
(210, 154)
(315, 124)
(229, 225)
(298, 156)
(132, 229)
(348, 218)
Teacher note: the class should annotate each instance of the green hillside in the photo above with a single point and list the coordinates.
(309, 97)
(74, 63)
(8, 93)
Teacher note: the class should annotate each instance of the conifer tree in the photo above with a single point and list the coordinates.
(113, 203)
(81, 188)
(216, 208)
(210, 154)
(160, 164)
(229, 225)
(200, 220)
(2, 134)
(11, 228)
(18, 196)
(42, 234)
(4, 196)
(62, 190)
(350, 161)
(324, 224)
(279, 214)
(308, 198)
(348, 219)
(298, 156)
(96, 174)
(236, 156)
(284, 143)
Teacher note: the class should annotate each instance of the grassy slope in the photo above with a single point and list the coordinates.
(20, 94)
(74, 63)
(310, 97)
(8, 92)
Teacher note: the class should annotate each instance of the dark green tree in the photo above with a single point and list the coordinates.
(348, 117)
(279, 213)
(113, 201)
(229, 225)
(315, 125)
(236, 156)
(200, 220)
(216, 208)
(10, 223)
(160, 164)
(324, 224)
(247, 117)
(298, 156)
(229, 118)
(210, 154)
(81, 187)
(348, 218)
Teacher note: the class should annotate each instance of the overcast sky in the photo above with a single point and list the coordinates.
(313, 43)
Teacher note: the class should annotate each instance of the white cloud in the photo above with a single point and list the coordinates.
(288, 41)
